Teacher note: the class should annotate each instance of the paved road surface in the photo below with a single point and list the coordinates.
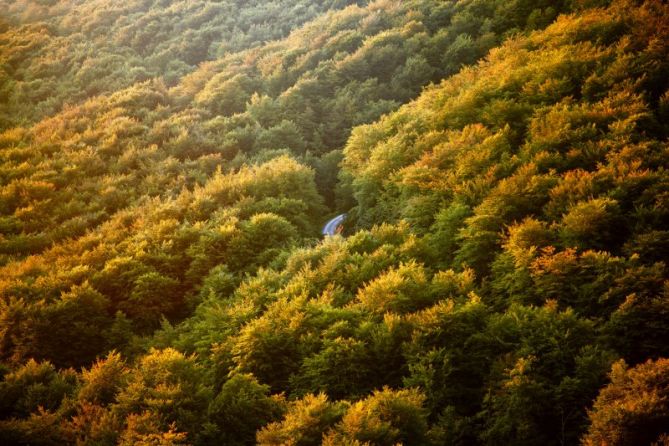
(330, 227)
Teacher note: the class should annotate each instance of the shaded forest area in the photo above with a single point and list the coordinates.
(165, 168)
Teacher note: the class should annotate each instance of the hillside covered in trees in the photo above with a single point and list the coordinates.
(166, 167)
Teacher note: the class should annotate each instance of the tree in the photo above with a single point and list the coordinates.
(68, 332)
(104, 380)
(32, 385)
(305, 422)
(387, 417)
(153, 297)
(167, 390)
(242, 407)
(591, 225)
(268, 346)
(547, 380)
(634, 408)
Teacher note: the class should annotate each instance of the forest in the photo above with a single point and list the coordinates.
(502, 278)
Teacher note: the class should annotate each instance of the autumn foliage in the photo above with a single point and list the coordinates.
(166, 168)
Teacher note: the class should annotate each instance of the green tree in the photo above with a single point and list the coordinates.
(242, 407)
(33, 385)
(387, 417)
(305, 422)
(167, 390)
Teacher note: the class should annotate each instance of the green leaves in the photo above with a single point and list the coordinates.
(516, 219)
(241, 408)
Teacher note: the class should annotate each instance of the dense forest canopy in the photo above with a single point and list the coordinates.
(166, 167)
(61, 52)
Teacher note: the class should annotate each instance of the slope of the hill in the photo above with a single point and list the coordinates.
(524, 257)
(69, 173)
(540, 177)
(96, 217)
(63, 52)
(562, 134)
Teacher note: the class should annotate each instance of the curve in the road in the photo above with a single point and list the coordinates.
(330, 227)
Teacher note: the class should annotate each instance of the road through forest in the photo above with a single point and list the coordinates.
(331, 226)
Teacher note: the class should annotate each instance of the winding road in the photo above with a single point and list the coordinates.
(331, 226)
